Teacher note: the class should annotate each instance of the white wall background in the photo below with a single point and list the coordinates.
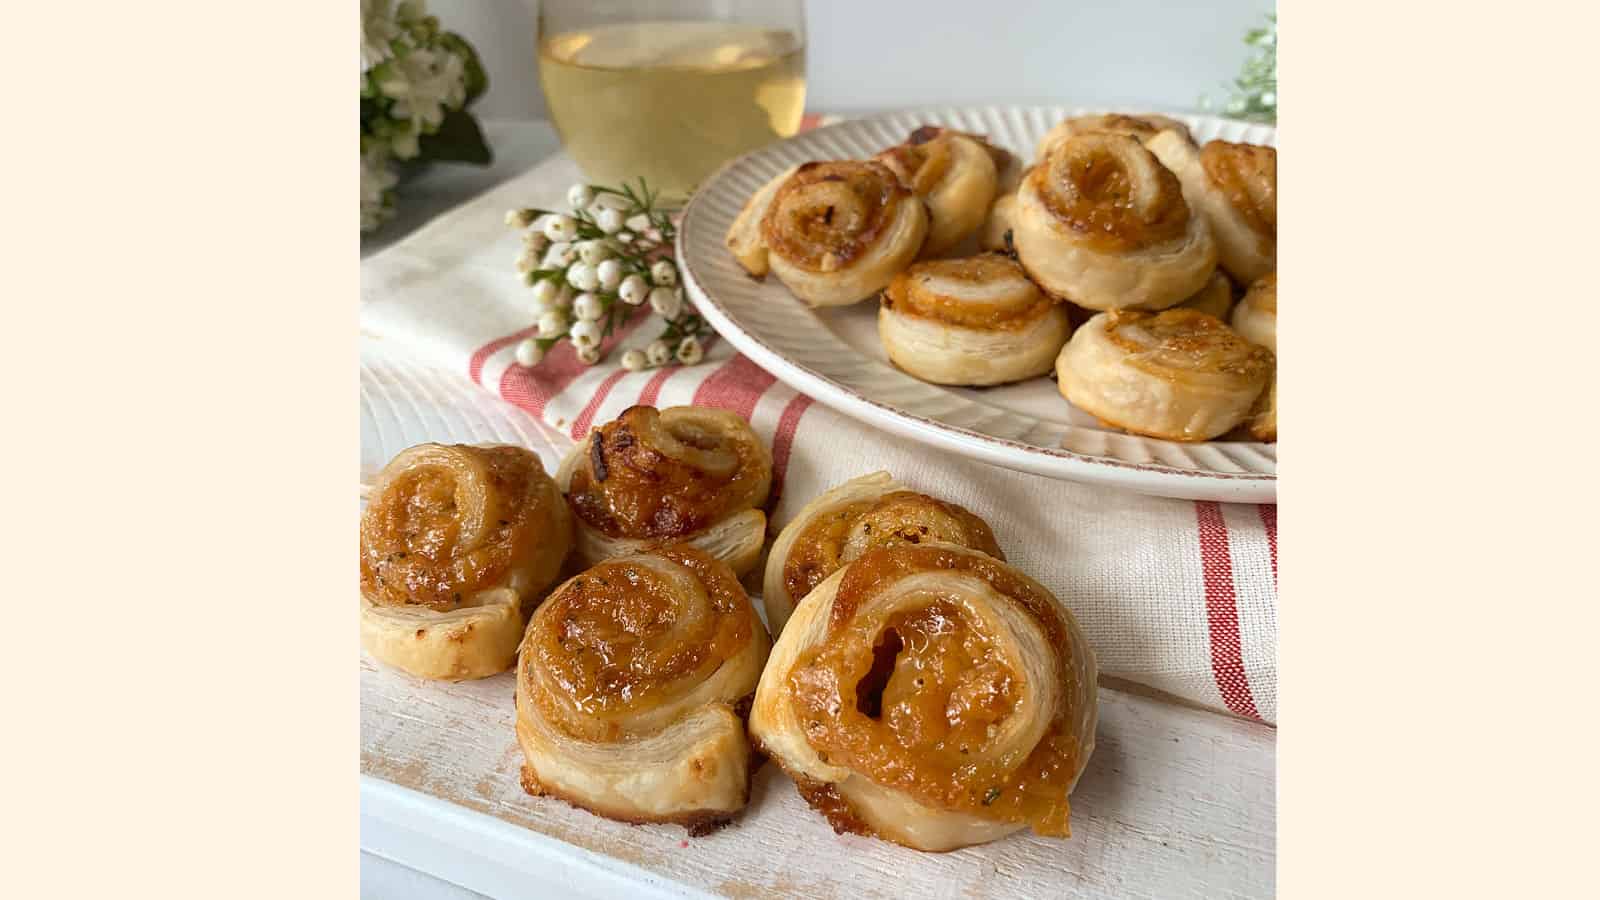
(879, 54)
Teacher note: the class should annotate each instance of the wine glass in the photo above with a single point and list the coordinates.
(668, 90)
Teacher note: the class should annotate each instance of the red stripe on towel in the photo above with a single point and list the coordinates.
(736, 387)
(1222, 613)
(1269, 519)
(783, 442)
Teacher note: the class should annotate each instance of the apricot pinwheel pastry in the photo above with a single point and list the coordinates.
(835, 232)
(976, 321)
(1215, 299)
(1142, 128)
(1235, 186)
(1256, 320)
(682, 474)
(455, 542)
(863, 513)
(932, 696)
(744, 238)
(631, 686)
(955, 173)
(1177, 374)
(1099, 221)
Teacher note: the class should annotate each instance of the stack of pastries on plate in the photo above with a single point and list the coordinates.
(1123, 225)
(914, 685)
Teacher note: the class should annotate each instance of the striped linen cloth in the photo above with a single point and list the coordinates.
(1176, 595)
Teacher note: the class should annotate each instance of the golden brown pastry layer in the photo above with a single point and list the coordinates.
(455, 541)
(653, 476)
(848, 520)
(1235, 187)
(1142, 127)
(836, 232)
(1178, 374)
(955, 173)
(631, 684)
(976, 320)
(933, 696)
(1099, 221)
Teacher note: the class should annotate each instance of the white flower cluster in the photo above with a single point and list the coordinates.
(409, 80)
(587, 266)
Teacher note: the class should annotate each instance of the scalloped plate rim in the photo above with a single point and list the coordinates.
(1154, 478)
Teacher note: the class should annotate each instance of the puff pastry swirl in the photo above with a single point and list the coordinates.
(455, 541)
(955, 173)
(976, 321)
(1099, 221)
(1235, 187)
(682, 474)
(836, 232)
(932, 696)
(1177, 374)
(848, 520)
(631, 686)
(1142, 127)
(1256, 320)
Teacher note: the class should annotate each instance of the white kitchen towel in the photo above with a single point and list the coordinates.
(1174, 594)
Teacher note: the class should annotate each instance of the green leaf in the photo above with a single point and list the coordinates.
(477, 78)
(458, 140)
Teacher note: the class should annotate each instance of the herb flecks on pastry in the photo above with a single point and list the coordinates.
(933, 696)
(456, 541)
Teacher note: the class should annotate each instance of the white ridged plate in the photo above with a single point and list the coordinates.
(835, 356)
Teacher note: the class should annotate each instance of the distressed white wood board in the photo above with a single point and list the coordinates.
(1176, 802)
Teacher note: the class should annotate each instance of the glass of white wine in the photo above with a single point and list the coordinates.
(669, 90)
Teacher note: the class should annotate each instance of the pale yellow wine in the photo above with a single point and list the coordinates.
(670, 101)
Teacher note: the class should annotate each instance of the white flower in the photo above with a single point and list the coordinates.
(1269, 99)
(530, 278)
(585, 334)
(594, 252)
(639, 223)
(623, 237)
(559, 256)
(633, 291)
(664, 273)
(609, 220)
(634, 360)
(561, 228)
(545, 292)
(588, 307)
(552, 324)
(658, 353)
(376, 180)
(666, 303)
(579, 196)
(535, 241)
(519, 218)
(565, 295)
(377, 31)
(588, 355)
(610, 274)
(582, 276)
(690, 351)
(527, 260)
(424, 83)
(528, 353)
